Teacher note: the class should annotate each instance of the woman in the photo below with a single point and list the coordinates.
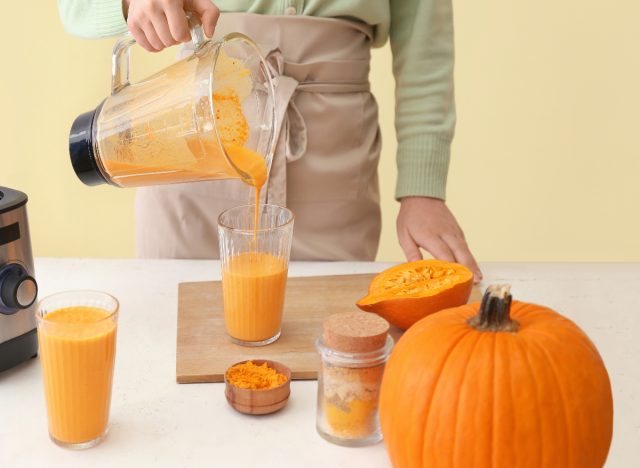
(325, 167)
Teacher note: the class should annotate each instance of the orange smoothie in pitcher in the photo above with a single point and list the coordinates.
(77, 351)
(253, 285)
(249, 162)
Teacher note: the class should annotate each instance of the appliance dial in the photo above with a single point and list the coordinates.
(18, 289)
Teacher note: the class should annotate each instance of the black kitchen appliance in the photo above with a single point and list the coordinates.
(18, 287)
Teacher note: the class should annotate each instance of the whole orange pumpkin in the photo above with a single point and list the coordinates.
(496, 384)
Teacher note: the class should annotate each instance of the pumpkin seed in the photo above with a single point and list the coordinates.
(410, 282)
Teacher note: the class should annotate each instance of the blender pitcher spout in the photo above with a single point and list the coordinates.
(263, 88)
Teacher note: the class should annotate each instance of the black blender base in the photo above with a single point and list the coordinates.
(18, 349)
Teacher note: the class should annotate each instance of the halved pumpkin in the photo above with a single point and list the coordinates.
(405, 293)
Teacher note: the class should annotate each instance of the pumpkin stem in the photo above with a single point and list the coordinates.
(494, 314)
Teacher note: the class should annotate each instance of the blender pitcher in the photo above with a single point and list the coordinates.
(203, 118)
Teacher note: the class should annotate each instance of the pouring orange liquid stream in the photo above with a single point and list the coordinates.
(253, 283)
(77, 351)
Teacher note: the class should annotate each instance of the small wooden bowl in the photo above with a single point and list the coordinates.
(259, 401)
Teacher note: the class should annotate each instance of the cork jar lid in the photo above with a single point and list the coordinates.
(355, 332)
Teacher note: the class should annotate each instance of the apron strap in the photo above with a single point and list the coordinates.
(291, 129)
(290, 134)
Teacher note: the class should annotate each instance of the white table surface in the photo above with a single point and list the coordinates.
(157, 422)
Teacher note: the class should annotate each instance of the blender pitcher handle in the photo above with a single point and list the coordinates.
(120, 77)
(120, 56)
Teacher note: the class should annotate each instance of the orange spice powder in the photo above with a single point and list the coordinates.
(255, 377)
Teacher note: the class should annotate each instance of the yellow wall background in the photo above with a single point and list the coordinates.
(546, 160)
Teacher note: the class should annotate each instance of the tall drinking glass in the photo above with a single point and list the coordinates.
(254, 271)
(77, 338)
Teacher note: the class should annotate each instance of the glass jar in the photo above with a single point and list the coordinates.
(349, 379)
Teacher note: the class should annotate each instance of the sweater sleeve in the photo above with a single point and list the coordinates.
(92, 18)
(421, 34)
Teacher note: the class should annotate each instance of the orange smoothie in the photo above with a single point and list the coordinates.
(77, 351)
(253, 285)
(127, 174)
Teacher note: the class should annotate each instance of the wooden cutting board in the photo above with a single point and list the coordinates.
(204, 351)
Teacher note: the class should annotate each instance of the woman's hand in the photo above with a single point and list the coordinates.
(156, 24)
(427, 222)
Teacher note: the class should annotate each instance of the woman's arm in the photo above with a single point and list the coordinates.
(92, 18)
(155, 24)
(421, 35)
(423, 51)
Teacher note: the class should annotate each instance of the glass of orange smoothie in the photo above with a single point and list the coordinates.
(77, 339)
(255, 261)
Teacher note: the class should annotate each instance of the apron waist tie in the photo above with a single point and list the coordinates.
(291, 130)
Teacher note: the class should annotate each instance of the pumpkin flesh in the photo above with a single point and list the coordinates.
(406, 293)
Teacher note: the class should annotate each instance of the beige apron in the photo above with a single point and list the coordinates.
(325, 164)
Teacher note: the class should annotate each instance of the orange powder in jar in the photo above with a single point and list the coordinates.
(354, 348)
(351, 400)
